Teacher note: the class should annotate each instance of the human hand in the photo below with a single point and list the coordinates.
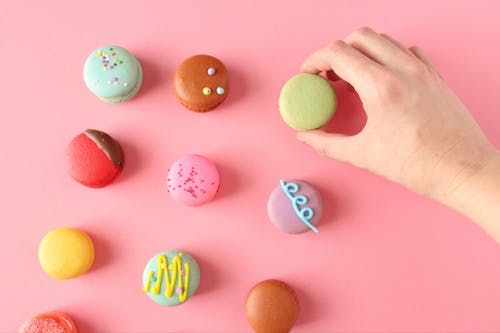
(418, 133)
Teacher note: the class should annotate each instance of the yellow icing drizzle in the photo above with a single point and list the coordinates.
(148, 283)
(163, 269)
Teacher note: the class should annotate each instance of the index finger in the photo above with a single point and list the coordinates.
(348, 63)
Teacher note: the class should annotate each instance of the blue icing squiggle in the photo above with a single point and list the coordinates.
(306, 213)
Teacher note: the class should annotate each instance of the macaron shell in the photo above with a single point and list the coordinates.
(152, 266)
(89, 164)
(49, 322)
(66, 253)
(191, 77)
(307, 101)
(193, 180)
(112, 74)
(282, 213)
(272, 306)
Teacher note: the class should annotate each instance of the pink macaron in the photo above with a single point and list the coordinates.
(193, 180)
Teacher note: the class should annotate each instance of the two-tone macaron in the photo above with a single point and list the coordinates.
(112, 74)
(95, 159)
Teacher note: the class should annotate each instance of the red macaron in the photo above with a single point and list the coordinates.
(95, 158)
(49, 322)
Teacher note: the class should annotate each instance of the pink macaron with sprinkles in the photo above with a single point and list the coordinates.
(193, 180)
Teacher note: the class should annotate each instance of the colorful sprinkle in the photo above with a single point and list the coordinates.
(116, 79)
(125, 84)
(170, 266)
(99, 53)
(109, 81)
(178, 290)
(110, 67)
(112, 53)
(153, 279)
(111, 49)
(211, 71)
(220, 90)
(121, 62)
(207, 91)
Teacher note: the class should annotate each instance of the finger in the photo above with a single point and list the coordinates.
(335, 78)
(398, 44)
(349, 64)
(378, 48)
(333, 145)
(419, 53)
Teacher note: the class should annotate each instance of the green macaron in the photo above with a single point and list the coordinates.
(307, 101)
(171, 277)
(112, 74)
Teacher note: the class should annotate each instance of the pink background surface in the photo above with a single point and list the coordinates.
(385, 259)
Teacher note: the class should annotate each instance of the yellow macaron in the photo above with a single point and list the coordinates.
(66, 253)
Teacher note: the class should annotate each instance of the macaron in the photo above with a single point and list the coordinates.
(171, 277)
(201, 83)
(295, 206)
(193, 180)
(49, 322)
(112, 74)
(95, 159)
(66, 253)
(307, 101)
(272, 306)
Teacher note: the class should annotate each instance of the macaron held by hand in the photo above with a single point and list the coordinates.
(307, 101)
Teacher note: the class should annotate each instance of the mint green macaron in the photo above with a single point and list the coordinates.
(307, 101)
(112, 74)
(171, 277)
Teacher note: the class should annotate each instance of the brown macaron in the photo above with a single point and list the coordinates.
(201, 83)
(272, 306)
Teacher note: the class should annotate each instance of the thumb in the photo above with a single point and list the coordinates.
(333, 145)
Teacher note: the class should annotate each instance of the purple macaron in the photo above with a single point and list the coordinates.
(295, 206)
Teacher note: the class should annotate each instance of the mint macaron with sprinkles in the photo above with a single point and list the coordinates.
(307, 101)
(112, 74)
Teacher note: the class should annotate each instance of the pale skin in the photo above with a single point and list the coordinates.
(418, 133)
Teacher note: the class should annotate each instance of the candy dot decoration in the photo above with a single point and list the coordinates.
(171, 277)
(295, 207)
(207, 91)
(211, 71)
(193, 180)
(49, 322)
(220, 90)
(307, 101)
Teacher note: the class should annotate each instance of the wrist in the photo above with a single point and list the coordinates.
(463, 166)
(478, 197)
